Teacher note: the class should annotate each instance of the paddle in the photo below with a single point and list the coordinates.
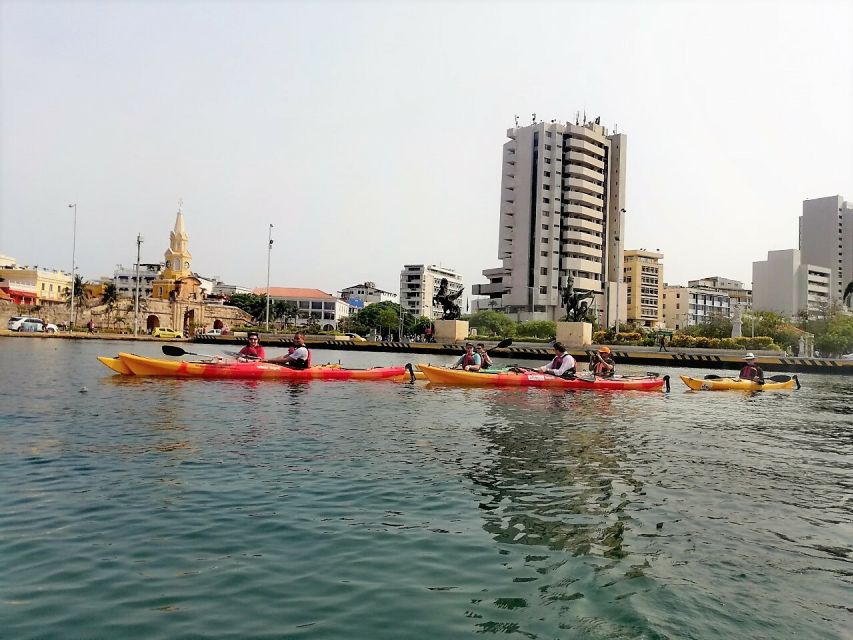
(237, 354)
(779, 378)
(503, 344)
(172, 350)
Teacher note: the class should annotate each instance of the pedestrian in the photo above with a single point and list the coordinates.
(662, 344)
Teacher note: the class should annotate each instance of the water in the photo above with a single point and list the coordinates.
(155, 508)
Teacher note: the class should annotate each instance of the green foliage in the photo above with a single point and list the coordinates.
(110, 294)
(716, 327)
(544, 329)
(492, 323)
(253, 304)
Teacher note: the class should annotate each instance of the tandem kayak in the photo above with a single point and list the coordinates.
(728, 384)
(442, 375)
(130, 364)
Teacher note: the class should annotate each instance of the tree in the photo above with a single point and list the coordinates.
(252, 303)
(109, 297)
(492, 323)
(537, 329)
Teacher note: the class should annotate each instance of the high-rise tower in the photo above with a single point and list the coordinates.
(826, 239)
(562, 212)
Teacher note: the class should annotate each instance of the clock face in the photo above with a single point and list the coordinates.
(177, 265)
(186, 265)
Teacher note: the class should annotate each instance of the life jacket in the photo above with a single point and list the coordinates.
(557, 362)
(483, 363)
(749, 372)
(466, 359)
(300, 364)
(599, 369)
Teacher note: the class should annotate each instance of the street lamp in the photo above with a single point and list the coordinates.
(136, 292)
(73, 264)
(269, 255)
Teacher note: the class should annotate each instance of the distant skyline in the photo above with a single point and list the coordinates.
(372, 132)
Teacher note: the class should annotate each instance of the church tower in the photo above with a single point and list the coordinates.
(178, 259)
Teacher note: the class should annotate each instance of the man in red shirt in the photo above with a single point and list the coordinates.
(253, 350)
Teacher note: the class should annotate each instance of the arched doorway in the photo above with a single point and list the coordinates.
(189, 320)
(218, 324)
(152, 322)
(328, 327)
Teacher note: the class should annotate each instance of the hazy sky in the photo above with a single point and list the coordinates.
(370, 134)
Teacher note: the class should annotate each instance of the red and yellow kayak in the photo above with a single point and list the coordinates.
(442, 375)
(130, 364)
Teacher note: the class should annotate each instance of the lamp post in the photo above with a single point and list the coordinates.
(136, 292)
(269, 255)
(73, 264)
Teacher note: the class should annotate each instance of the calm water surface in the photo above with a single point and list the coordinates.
(155, 508)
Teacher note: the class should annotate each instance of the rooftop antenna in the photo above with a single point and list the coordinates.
(516, 121)
(615, 127)
(577, 117)
(534, 117)
(584, 115)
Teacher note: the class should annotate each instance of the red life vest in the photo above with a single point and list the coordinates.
(557, 362)
(291, 349)
(466, 360)
(750, 372)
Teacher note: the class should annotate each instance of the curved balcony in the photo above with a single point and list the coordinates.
(575, 171)
(585, 225)
(578, 158)
(579, 264)
(584, 186)
(581, 236)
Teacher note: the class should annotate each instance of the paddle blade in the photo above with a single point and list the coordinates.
(780, 378)
(503, 344)
(172, 350)
(711, 376)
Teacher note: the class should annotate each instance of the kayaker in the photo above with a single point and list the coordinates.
(298, 356)
(751, 371)
(485, 360)
(602, 363)
(253, 350)
(562, 365)
(469, 361)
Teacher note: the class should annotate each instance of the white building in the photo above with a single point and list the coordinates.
(688, 306)
(826, 239)
(420, 282)
(738, 294)
(362, 295)
(228, 290)
(313, 305)
(562, 211)
(124, 278)
(787, 285)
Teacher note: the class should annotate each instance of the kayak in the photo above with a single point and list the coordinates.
(727, 384)
(233, 370)
(442, 375)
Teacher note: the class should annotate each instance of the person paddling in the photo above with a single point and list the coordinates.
(751, 371)
(485, 360)
(563, 363)
(469, 361)
(298, 356)
(253, 350)
(602, 364)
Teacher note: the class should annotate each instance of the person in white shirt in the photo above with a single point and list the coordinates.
(298, 356)
(563, 363)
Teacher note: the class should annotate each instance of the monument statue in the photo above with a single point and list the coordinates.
(737, 321)
(576, 301)
(448, 301)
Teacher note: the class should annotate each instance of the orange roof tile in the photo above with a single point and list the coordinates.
(288, 292)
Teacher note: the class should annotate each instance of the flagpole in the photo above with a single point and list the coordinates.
(269, 255)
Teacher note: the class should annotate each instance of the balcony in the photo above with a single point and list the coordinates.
(586, 147)
(578, 158)
(490, 289)
(585, 173)
(584, 186)
(583, 211)
(573, 235)
(578, 264)
(592, 252)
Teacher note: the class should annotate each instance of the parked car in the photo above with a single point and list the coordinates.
(29, 323)
(163, 332)
(355, 337)
(213, 332)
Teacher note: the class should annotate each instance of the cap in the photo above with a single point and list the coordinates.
(604, 350)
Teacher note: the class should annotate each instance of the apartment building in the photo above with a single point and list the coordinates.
(313, 305)
(688, 306)
(124, 278)
(826, 239)
(420, 282)
(367, 293)
(738, 294)
(643, 275)
(786, 284)
(562, 211)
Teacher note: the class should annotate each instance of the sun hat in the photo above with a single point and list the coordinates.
(604, 350)
(749, 356)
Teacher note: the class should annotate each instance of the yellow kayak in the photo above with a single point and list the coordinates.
(738, 384)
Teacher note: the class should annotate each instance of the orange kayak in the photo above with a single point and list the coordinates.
(442, 375)
(130, 364)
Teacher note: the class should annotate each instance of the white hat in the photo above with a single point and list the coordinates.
(749, 356)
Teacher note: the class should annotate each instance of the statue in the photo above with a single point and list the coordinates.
(448, 301)
(575, 301)
(737, 322)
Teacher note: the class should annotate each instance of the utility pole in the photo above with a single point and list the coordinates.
(73, 265)
(269, 255)
(136, 292)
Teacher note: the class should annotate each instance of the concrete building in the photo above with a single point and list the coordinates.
(787, 285)
(826, 239)
(124, 279)
(643, 275)
(228, 290)
(420, 282)
(34, 285)
(562, 211)
(314, 305)
(738, 295)
(688, 306)
(362, 295)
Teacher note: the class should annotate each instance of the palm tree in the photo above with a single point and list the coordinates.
(78, 293)
(109, 297)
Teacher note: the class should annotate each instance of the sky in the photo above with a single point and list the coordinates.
(370, 134)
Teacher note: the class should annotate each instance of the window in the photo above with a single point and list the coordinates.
(546, 200)
(547, 147)
(543, 289)
(545, 227)
(547, 174)
(544, 254)
(543, 271)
